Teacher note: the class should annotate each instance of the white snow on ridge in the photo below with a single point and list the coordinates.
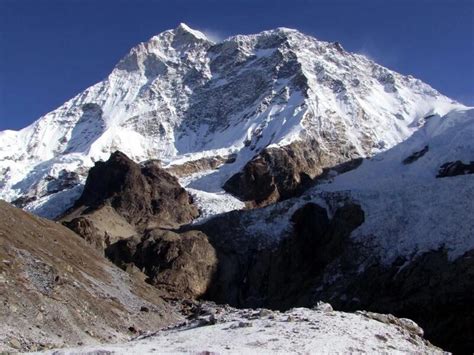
(180, 96)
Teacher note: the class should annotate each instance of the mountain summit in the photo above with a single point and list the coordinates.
(179, 97)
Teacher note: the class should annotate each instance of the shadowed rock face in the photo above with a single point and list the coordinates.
(279, 277)
(455, 168)
(183, 265)
(213, 263)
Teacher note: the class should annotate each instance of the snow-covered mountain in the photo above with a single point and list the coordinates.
(181, 97)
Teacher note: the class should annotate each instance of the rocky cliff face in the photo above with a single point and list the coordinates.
(179, 97)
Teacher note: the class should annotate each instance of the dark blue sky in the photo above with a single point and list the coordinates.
(51, 50)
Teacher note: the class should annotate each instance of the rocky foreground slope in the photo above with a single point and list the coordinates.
(55, 290)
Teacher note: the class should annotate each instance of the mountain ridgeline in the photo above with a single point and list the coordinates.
(180, 97)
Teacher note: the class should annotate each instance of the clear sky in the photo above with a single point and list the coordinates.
(50, 50)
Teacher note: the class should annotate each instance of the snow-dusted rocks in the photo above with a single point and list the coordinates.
(225, 330)
(408, 209)
(181, 97)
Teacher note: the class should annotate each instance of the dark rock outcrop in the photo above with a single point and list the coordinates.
(276, 174)
(144, 195)
(416, 155)
(22, 201)
(455, 168)
(122, 198)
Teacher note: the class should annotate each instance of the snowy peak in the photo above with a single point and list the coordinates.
(179, 97)
(169, 45)
(184, 30)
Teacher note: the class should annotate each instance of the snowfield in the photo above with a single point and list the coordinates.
(297, 331)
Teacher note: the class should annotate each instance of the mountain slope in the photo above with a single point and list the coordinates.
(180, 97)
(56, 291)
